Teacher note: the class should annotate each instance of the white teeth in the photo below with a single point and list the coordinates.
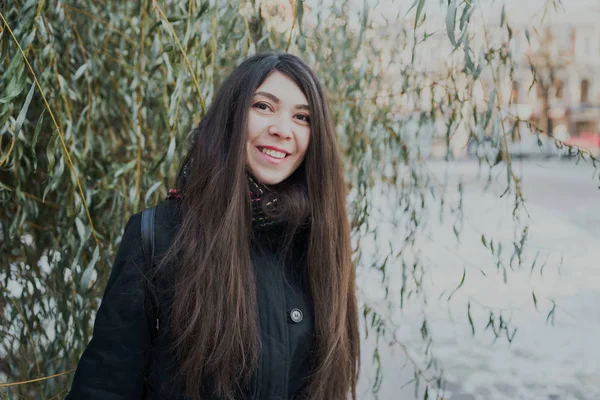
(273, 153)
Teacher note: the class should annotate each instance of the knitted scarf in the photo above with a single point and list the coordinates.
(261, 197)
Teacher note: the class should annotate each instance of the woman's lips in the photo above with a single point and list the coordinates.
(269, 158)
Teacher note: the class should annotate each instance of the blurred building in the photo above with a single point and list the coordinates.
(565, 90)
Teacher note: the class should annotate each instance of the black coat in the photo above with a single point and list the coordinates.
(124, 349)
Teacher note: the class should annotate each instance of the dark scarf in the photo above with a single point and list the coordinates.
(265, 204)
(261, 197)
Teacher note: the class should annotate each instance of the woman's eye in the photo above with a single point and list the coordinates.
(304, 118)
(262, 106)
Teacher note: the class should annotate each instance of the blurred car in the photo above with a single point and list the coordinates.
(586, 140)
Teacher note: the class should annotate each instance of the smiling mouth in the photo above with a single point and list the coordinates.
(273, 153)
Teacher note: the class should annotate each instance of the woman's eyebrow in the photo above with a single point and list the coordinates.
(276, 100)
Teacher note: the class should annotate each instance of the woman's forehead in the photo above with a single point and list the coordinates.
(283, 88)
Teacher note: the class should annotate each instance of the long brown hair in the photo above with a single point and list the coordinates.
(213, 317)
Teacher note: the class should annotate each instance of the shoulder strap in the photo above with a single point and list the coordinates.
(148, 218)
(148, 230)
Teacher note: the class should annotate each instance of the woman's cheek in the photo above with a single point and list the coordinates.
(255, 125)
(306, 139)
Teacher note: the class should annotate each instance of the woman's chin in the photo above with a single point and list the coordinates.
(269, 177)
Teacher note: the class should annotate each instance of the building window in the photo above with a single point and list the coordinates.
(585, 91)
(560, 89)
(588, 45)
(514, 95)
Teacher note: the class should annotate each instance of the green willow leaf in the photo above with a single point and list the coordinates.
(88, 273)
(462, 281)
(13, 89)
(80, 229)
(450, 21)
(420, 4)
(23, 112)
(29, 4)
(171, 151)
(451, 17)
(57, 175)
(80, 71)
(150, 192)
(36, 135)
(490, 108)
(300, 15)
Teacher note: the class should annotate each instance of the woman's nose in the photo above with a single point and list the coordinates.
(281, 127)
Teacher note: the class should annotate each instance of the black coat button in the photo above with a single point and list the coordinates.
(296, 315)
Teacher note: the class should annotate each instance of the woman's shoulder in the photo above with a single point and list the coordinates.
(168, 212)
(167, 219)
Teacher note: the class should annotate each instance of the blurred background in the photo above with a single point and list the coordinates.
(470, 133)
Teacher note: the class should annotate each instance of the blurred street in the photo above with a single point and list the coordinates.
(543, 361)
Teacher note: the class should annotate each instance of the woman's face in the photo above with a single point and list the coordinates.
(278, 129)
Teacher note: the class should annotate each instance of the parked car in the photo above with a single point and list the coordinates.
(586, 140)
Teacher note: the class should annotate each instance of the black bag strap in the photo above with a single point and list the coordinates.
(148, 237)
(148, 219)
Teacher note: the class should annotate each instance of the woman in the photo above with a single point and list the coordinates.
(254, 278)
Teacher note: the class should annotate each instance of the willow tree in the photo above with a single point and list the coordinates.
(96, 104)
